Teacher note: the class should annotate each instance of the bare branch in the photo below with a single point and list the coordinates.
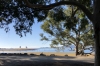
(48, 7)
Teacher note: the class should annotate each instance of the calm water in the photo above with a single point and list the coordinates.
(40, 50)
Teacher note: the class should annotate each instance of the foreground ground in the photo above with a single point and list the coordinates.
(46, 61)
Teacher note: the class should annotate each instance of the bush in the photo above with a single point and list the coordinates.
(66, 55)
(52, 54)
(42, 54)
(25, 54)
(32, 54)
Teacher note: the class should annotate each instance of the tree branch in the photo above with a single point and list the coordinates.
(48, 7)
(74, 12)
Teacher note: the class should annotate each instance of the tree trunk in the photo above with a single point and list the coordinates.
(82, 51)
(97, 49)
(77, 48)
(96, 24)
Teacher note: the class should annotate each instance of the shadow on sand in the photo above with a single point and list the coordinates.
(42, 61)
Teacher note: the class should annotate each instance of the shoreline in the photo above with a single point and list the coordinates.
(43, 53)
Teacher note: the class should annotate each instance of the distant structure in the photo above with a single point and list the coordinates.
(20, 47)
(26, 47)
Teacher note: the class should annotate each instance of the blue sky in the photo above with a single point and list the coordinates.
(11, 40)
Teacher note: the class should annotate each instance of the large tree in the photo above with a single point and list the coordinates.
(44, 6)
(76, 26)
(71, 34)
(94, 17)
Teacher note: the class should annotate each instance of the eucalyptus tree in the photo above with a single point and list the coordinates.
(40, 8)
(76, 24)
(70, 34)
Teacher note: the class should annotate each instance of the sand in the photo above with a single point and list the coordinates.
(56, 53)
(59, 60)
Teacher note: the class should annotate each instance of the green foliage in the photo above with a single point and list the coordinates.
(68, 30)
(46, 27)
(89, 36)
(84, 23)
(15, 11)
(43, 37)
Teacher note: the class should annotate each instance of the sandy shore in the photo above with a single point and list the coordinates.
(56, 53)
(48, 53)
